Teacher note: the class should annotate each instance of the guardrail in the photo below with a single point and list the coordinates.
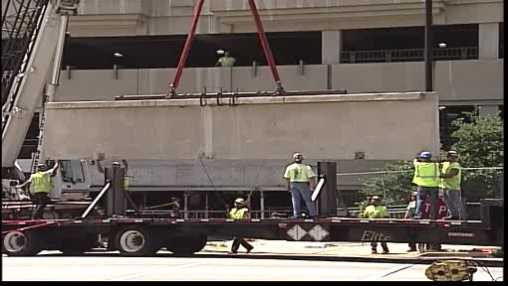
(402, 55)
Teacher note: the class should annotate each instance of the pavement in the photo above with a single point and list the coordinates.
(354, 251)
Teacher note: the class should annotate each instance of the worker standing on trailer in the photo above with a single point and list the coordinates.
(410, 213)
(450, 185)
(426, 178)
(42, 184)
(240, 211)
(376, 210)
(226, 60)
(301, 182)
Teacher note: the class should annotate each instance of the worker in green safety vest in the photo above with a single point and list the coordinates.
(426, 178)
(226, 60)
(450, 184)
(42, 184)
(239, 212)
(376, 210)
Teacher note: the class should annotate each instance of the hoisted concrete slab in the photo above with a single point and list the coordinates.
(384, 126)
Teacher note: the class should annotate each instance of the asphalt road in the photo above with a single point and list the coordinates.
(50, 266)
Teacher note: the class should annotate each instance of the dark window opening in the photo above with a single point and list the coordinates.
(501, 40)
(164, 51)
(447, 114)
(31, 139)
(451, 42)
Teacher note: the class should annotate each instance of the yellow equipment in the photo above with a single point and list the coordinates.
(450, 270)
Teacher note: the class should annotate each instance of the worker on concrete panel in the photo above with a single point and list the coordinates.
(42, 184)
(240, 211)
(226, 60)
(377, 210)
(364, 204)
(450, 185)
(426, 178)
(410, 213)
(301, 182)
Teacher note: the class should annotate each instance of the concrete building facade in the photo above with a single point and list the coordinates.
(467, 75)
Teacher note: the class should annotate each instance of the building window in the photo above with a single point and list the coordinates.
(402, 44)
(288, 48)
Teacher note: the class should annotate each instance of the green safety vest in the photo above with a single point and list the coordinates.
(375, 212)
(426, 174)
(298, 172)
(41, 182)
(452, 183)
(235, 213)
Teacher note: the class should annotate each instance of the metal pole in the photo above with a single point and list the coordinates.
(428, 46)
(185, 205)
(262, 204)
(266, 46)
(186, 48)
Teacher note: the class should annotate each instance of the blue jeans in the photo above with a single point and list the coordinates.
(454, 203)
(301, 192)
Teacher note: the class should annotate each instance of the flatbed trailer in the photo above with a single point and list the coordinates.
(134, 236)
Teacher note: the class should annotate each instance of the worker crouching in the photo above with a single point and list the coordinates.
(240, 211)
(376, 210)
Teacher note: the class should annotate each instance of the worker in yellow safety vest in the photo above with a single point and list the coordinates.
(42, 184)
(426, 178)
(450, 184)
(301, 181)
(376, 210)
(239, 212)
(226, 60)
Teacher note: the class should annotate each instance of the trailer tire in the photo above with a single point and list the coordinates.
(16, 243)
(186, 244)
(136, 241)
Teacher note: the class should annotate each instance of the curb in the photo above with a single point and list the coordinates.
(489, 262)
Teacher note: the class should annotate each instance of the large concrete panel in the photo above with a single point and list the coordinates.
(388, 126)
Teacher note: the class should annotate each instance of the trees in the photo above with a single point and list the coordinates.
(479, 143)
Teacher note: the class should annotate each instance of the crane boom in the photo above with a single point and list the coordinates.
(41, 57)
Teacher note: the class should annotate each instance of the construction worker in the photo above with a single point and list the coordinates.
(226, 60)
(42, 184)
(240, 211)
(361, 207)
(376, 210)
(450, 185)
(301, 181)
(426, 178)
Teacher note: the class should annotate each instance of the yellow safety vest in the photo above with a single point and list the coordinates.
(235, 213)
(426, 174)
(375, 212)
(452, 183)
(42, 182)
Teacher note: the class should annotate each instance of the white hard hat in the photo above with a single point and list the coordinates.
(240, 201)
(297, 154)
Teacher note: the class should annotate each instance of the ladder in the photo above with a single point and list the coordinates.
(36, 156)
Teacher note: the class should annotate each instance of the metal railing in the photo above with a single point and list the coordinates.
(403, 55)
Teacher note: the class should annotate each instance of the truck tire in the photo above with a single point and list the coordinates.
(136, 241)
(16, 243)
(186, 244)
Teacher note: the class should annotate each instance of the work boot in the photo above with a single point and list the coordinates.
(374, 251)
(386, 251)
(249, 249)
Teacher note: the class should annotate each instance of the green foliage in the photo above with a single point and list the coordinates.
(395, 187)
(479, 143)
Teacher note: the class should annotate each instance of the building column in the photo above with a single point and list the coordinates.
(484, 110)
(330, 48)
(488, 40)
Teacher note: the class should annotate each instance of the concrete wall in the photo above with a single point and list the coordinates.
(330, 127)
(159, 17)
(469, 81)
